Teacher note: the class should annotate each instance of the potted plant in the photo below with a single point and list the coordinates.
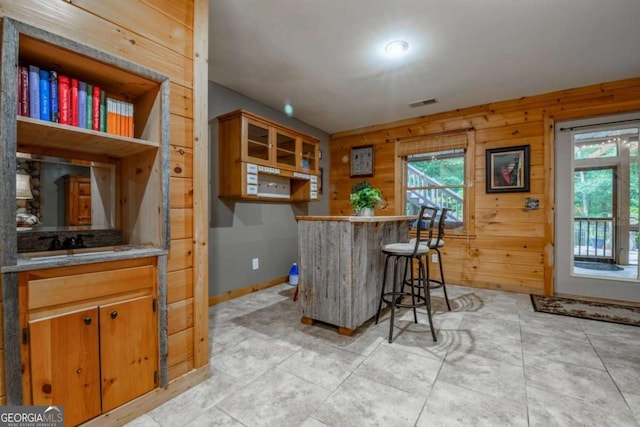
(364, 198)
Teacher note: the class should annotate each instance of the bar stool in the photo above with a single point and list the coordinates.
(435, 243)
(408, 252)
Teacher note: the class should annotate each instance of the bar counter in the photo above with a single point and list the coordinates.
(341, 266)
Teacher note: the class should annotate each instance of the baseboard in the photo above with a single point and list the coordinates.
(245, 291)
(143, 404)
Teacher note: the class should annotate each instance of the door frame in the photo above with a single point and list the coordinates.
(564, 280)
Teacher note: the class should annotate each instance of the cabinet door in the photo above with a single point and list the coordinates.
(285, 149)
(257, 143)
(65, 364)
(128, 350)
(308, 157)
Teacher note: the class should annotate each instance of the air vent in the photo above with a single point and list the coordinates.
(423, 102)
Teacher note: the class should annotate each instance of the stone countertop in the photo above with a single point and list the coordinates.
(357, 218)
(27, 262)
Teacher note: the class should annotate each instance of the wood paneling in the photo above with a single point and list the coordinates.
(181, 193)
(180, 347)
(181, 285)
(181, 162)
(180, 255)
(510, 249)
(181, 223)
(181, 129)
(180, 316)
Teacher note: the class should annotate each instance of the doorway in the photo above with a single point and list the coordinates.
(596, 179)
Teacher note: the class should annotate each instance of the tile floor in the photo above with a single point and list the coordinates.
(496, 362)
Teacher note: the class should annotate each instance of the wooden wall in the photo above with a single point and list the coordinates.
(511, 249)
(169, 37)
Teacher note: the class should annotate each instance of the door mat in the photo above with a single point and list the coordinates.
(607, 312)
(602, 266)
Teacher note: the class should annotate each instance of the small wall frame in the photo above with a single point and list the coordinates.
(362, 161)
(507, 169)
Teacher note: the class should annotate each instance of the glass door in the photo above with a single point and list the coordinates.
(258, 146)
(596, 193)
(285, 150)
(308, 157)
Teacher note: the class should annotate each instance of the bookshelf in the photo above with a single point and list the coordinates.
(140, 196)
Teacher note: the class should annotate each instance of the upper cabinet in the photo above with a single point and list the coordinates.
(261, 159)
(113, 119)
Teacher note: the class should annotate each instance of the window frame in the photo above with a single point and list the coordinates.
(468, 225)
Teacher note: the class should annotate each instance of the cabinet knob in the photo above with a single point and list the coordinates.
(46, 388)
(87, 320)
(114, 314)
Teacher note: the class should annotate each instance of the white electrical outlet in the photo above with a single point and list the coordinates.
(256, 263)
(434, 257)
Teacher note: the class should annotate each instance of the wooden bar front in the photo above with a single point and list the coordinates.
(341, 266)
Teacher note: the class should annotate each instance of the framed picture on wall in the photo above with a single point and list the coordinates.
(507, 169)
(362, 161)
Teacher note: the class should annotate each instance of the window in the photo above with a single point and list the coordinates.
(436, 170)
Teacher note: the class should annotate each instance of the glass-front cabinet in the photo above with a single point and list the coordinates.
(308, 157)
(262, 159)
(257, 141)
(285, 149)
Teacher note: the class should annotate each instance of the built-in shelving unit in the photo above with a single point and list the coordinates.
(136, 196)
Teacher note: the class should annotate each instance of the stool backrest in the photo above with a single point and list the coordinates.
(441, 223)
(424, 225)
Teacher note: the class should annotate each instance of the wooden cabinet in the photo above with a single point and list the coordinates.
(90, 339)
(65, 363)
(263, 160)
(77, 207)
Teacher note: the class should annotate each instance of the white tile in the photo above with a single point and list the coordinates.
(451, 405)
(546, 409)
(363, 402)
(276, 398)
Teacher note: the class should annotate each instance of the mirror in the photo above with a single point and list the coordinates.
(67, 193)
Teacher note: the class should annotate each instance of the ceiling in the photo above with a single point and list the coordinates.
(325, 57)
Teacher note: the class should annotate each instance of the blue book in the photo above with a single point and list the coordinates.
(82, 105)
(89, 107)
(34, 92)
(45, 97)
(53, 92)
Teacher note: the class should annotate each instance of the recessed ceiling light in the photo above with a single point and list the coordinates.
(396, 47)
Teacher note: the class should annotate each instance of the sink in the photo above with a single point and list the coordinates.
(93, 253)
(69, 253)
(36, 258)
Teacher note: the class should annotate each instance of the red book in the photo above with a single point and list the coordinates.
(96, 108)
(74, 103)
(64, 99)
(24, 92)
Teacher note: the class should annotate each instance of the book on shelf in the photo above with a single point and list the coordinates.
(89, 107)
(96, 108)
(64, 96)
(82, 104)
(45, 97)
(34, 92)
(23, 96)
(53, 91)
(73, 104)
(103, 111)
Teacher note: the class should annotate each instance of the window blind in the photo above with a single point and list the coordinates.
(430, 144)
